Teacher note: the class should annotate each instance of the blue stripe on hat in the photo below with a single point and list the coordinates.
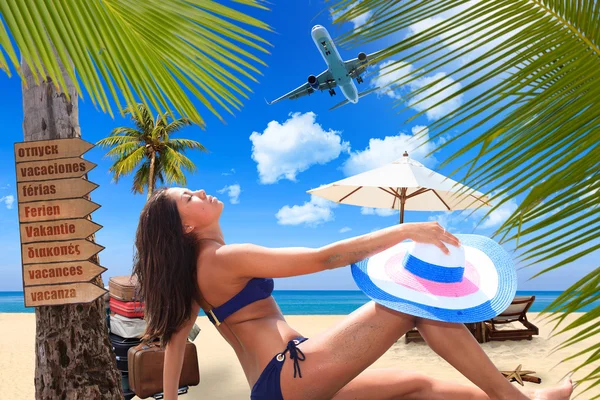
(432, 272)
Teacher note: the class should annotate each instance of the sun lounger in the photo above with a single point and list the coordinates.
(496, 328)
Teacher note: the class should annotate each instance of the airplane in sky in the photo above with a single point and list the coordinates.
(339, 73)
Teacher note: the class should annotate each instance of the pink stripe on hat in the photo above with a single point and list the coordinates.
(394, 268)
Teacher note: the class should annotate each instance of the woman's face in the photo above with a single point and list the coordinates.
(196, 209)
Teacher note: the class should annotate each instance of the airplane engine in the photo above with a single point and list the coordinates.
(362, 57)
(313, 82)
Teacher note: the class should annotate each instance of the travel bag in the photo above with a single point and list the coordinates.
(130, 309)
(122, 345)
(123, 287)
(146, 362)
(127, 327)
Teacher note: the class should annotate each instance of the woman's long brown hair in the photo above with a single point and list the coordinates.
(165, 265)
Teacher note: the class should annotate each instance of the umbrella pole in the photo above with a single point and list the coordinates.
(402, 201)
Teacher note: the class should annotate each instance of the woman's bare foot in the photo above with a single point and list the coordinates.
(560, 392)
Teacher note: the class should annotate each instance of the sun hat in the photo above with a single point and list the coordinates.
(475, 282)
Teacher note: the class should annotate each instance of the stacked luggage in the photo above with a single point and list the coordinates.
(138, 361)
(126, 323)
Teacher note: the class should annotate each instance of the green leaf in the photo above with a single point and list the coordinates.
(126, 51)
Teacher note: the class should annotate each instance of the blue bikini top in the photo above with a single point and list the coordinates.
(256, 289)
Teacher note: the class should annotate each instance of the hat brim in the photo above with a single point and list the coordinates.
(504, 290)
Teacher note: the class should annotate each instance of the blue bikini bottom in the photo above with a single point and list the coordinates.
(268, 385)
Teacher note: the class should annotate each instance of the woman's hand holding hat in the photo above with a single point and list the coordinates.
(430, 233)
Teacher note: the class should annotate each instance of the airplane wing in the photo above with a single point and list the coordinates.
(363, 94)
(325, 80)
(355, 67)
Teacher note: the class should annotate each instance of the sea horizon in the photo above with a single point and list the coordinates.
(308, 302)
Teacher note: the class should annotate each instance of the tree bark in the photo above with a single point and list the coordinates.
(151, 174)
(74, 357)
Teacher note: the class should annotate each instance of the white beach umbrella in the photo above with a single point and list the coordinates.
(404, 184)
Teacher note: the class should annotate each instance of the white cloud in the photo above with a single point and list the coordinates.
(282, 151)
(468, 35)
(447, 87)
(311, 213)
(231, 172)
(392, 77)
(233, 191)
(345, 229)
(382, 212)
(453, 220)
(8, 201)
(383, 151)
(499, 215)
(444, 219)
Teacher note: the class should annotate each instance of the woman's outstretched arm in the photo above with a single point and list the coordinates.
(256, 261)
(174, 353)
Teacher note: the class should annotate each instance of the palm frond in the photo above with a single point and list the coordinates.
(177, 125)
(529, 126)
(117, 140)
(141, 178)
(127, 52)
(180, 145)
(124, 150)
(126, 165)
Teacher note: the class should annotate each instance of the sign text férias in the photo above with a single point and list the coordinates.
(54, 189)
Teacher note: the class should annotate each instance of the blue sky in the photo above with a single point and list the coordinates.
(264, 159)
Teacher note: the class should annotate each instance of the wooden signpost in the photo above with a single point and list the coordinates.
(53, 222)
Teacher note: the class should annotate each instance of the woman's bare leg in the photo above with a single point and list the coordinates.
(393, 384)
(455, 344)
(337, 356)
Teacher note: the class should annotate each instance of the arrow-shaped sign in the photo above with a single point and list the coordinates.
(64, 272)
(50, 149)
(71, 293)
(72, 250)
(54, 189)
(56, 209)
(73, 167)
(58, 230)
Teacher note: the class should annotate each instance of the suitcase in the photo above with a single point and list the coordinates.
(122, 345)
(123, 287)
(131, 309)
(146, 368)
(127, 327)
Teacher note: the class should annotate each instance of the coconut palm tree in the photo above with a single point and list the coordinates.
(150, 148)
(163, 53)
(529, 74)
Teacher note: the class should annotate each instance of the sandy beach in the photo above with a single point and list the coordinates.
(222, 378)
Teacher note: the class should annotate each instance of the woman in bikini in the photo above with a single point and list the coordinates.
(183, 264)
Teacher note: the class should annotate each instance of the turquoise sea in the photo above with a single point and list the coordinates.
(303, 302)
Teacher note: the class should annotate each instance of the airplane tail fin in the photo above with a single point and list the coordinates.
(363, 94)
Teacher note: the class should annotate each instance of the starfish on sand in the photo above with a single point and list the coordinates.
(517, 374)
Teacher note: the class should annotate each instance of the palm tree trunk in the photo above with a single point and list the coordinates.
(74, 359)
(151, 180)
